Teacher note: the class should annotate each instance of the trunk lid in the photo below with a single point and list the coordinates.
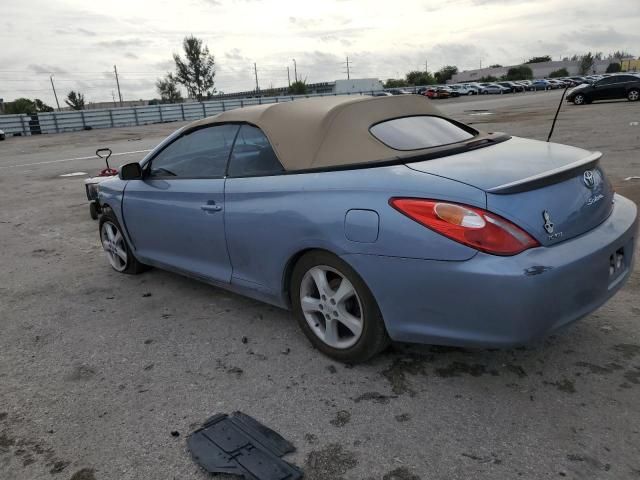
(554, 192)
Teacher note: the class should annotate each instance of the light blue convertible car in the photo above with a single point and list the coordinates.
(377, 218)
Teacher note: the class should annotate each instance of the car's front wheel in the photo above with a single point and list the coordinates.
(115, 246)
(633, 95)
(335, 309)
(579, 99)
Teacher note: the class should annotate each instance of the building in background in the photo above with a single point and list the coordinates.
(540, 70)
(355, 85)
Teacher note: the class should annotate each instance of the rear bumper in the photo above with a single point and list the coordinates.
(492, 301)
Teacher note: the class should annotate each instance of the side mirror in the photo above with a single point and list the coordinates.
(131, 171)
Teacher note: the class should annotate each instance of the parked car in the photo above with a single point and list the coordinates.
(578, 80)
(609, 88)
(541, 84)
(493, 88)
(554, 83)
(470, 88)
(463, 89)
(376, 219)
(2, 135)
(399, 91)
(512, 86)
(449, 90)
(437, 92)
(528, 84)
(381, 93)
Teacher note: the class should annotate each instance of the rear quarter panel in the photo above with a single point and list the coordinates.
(269, 220)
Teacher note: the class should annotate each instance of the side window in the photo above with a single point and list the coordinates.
(253, 155)
(201, 153)
(607, 81)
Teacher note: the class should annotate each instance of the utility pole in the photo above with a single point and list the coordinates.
(54, 91)
(288, 77)
(348, 73)
(255, 70)
(426, 69)
(295, 70)
(115, 70)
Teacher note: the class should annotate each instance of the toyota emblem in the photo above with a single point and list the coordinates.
(589, 178)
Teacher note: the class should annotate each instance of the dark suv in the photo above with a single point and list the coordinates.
(608, 88)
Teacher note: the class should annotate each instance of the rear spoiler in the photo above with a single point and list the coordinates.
(549, 177)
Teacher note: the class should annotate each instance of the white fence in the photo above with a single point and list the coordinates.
(68, 121)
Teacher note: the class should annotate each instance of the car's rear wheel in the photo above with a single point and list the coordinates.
(115, 246)
(335, 309)
(633, 95)
(579, 99)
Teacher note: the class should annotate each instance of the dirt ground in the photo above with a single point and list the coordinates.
(98, 369)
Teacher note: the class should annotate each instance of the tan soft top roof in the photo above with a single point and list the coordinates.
(325, 132)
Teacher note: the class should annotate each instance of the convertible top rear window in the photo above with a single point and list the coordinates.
(418, 132)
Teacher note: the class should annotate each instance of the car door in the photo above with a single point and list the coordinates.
(256, 212)
(175, 214)
(605, 89)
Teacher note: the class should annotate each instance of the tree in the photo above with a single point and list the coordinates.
(614, 67)
(168, 89)
(488, 79)
(75, 100)
(495, 65)
(561, 72)
(41, 106)
(197, 71)
(445, 73)
(298, 88)
(395, 83)
(586, 63)
(416, 77)
(542, 59)
(519, 73)
(27, 106)
(620, 55)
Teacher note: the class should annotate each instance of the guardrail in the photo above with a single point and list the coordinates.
(69, 121)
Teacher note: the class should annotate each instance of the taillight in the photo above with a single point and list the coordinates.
(470, 226)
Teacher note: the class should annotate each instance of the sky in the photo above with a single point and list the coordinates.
(80, 41)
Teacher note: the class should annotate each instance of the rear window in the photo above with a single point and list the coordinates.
(416, 133)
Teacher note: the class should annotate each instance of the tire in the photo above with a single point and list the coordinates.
(357, 307)
(579, 99)
(116, 247)
(633, 95)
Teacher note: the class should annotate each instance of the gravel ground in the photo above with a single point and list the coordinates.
(97, 369)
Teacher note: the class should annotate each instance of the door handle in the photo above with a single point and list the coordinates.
(211, 207)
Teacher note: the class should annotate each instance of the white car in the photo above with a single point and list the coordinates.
(2, 135)
(465, 89)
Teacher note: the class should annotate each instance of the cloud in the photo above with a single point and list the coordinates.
(130, 55)
(122, 43)
(74, 31)
(45, 69)
(596, 37)
(235, 54)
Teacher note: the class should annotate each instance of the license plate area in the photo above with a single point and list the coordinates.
(618, 266)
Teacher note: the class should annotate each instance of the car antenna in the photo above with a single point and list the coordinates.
(553, 125)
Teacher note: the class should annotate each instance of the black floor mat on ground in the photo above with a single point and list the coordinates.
(240, 445)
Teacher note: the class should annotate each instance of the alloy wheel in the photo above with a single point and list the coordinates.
(634, 95)
(578, 99)
(114, 246)
(331, 307)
